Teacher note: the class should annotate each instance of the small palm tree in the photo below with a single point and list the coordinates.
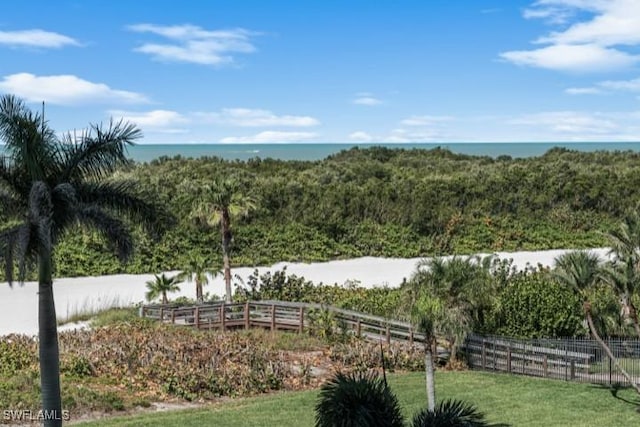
(452, 413)
(198, 271)
(581, 270)
(357, 399)
(160, 286)
(48, 185)
(624, 274)
(218, 204)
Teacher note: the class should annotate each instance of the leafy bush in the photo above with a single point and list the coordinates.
(533, 305)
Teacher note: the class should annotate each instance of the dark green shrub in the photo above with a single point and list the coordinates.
(452, 413)
(357, 399)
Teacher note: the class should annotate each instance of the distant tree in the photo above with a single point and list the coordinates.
(160, 286)
(218, 204)
(357, 399)
(198, 271)
(50, 184)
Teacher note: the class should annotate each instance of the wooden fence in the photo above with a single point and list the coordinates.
(280, 315)
(570, 359)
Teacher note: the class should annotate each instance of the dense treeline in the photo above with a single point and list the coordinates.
(381, 202)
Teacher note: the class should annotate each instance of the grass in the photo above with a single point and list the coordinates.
(519, 401)
(89, 308)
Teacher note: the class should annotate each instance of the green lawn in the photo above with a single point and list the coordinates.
(520, 401)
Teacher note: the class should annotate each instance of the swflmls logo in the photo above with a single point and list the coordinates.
(28, 415)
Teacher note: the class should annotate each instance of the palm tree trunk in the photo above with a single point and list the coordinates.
(633, 314)
(165, 300)
(199, 297)
(603, 345)
(48, 344)
(226, 245)
(428, 368)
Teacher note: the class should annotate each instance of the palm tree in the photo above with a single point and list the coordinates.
(357, 399)
(451, 413)
(218, 204)
(198, 271)
(160, 286)
(624, 274)
(49, 184)
(581, 271)
(426, 326)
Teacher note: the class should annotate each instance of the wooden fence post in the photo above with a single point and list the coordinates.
(223, 318)
(509, 359)
(545, 366)
(247, 316)
(358, 328)
(388, 335)
(142, 312)
(161, 314)
(410, 336)
(173, 316)
(484, 354)
(301, 315)
(196, 317)
(273, 317)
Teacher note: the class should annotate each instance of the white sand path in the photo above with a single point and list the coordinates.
(19, 305)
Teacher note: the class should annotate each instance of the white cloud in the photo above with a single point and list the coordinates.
(360, 136)
(65, 90)
(593, 44)
(164, 121)
(190, 43)
(583, 91)
(247, 117)
(366, 98)
(574, 58)
(425, 120)
(569, 122)
(270, 136)
(36, 38)
(623, 85)
(607, 86)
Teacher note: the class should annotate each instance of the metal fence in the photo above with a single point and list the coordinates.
(570, 359)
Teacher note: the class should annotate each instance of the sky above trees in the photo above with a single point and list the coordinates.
(331, 71)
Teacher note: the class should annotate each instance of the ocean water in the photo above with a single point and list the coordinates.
(309, 151)
(147, 152)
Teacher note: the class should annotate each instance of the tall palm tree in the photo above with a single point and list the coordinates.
(49, 184)
(218, 204)
(426, 326)
(160, 285)
(198, 271)
(581, 271)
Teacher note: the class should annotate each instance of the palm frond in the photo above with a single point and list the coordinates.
(124, 198)
(99, 151)
(114, 231)
(8, 243)
(452, 413)
(28, 140)
(357, 399)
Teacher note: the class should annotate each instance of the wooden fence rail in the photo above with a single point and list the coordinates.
(281, 315)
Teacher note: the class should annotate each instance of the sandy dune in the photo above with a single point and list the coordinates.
(19, 305)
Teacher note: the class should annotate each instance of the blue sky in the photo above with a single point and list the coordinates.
(331, 71)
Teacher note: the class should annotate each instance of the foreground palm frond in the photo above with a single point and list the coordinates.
(452, 413)
(357, 399)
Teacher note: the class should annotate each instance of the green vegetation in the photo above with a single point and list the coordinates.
(519, 401)
(378, 202)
